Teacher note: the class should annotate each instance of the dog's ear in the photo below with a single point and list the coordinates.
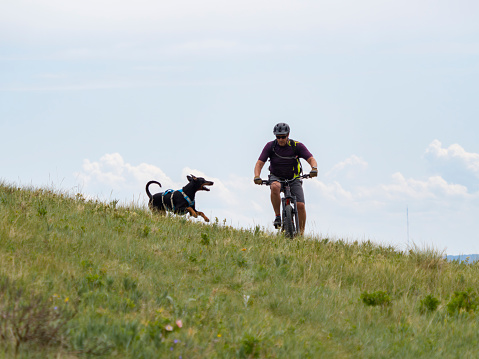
(191, 178)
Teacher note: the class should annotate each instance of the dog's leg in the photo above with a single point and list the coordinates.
(196, 213)
(192, 212)
(204, 217)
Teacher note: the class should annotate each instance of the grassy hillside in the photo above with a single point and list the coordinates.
(88, 279)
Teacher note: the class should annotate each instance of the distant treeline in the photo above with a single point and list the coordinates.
(463, 257)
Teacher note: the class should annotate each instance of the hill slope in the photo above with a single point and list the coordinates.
(88, 278)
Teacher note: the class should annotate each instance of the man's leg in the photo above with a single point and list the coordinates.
(301, 216)
(276, 197)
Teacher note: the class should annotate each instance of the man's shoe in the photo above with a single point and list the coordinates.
(277, 222)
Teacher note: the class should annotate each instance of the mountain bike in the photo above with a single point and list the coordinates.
(290, 220)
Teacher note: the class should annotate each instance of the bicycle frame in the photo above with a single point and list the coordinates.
(288, 200)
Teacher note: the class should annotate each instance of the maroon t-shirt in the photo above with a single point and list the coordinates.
(283, 162)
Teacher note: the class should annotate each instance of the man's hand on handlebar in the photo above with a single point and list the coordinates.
(314, 172)
(258, 180)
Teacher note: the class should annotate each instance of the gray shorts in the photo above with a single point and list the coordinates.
(296, 187)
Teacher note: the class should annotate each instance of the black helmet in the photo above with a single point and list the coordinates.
(281, 129)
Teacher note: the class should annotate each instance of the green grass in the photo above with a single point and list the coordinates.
(94, 279)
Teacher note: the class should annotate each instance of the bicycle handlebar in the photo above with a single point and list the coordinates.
(284, 180)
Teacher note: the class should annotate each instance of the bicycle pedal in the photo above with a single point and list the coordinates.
(277, 223)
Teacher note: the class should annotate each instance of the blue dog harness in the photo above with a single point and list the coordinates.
(190, 202)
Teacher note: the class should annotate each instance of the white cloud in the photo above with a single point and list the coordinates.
(351, 166)
(398, 191)
(340, 188)
(412, 189)
(332, 191)
(112, 171)
(454, 153)
(454, 163)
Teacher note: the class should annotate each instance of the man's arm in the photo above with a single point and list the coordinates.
(258, 167)
(257, 171)
(314, 166)
(312, 162)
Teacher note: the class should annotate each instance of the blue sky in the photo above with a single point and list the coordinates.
(99, 97)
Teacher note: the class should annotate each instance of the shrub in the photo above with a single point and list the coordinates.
(465, 301)
(250, 346)
(429, 304)
(29, 317)
(145, 231)
(205, 239)
(376, 298)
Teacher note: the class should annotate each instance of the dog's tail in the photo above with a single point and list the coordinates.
(148, 185)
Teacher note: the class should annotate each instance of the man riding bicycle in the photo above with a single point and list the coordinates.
(285, 155)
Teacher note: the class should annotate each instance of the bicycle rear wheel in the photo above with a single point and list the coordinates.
(288, 224)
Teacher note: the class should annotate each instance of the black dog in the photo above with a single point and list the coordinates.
(180, 201)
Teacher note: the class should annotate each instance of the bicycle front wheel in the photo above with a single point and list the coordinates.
(288, 224)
